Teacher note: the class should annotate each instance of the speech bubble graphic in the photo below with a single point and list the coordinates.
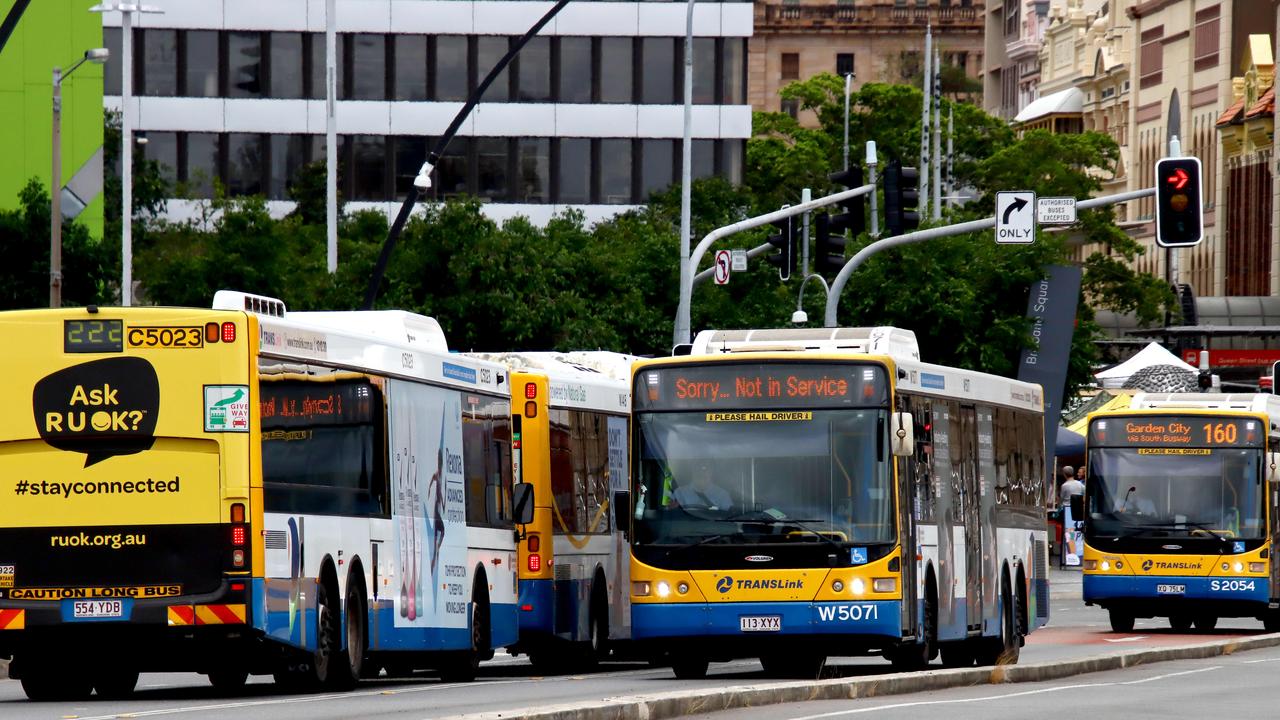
(100, 408)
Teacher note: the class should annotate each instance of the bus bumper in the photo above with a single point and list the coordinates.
(537, 607)
(873, 619)
(1161, 595)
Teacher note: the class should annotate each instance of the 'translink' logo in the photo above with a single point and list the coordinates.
(100, 408)
(1146, 565)
(724, 584)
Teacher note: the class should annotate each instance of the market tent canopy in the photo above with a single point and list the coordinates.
(1069, 443)
(1066, 101)
(1151, 355)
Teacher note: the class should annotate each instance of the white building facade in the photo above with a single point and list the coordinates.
(588, 116)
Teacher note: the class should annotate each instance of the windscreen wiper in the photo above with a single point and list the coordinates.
(705, 540)
(803, 525)
(1204, 527)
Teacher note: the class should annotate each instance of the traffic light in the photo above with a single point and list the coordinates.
(1178, 202)
(901, 198)
(785, 242)
(834, 233)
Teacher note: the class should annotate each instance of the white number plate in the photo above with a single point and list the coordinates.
(760, 623)
(1171, 589)
(98, 609)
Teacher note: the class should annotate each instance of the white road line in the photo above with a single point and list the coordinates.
(1250, 662)
(1024, 693)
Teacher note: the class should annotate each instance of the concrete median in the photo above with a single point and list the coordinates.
(678, 703)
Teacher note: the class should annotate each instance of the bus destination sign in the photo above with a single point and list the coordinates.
(1175, 431)
(732, 386)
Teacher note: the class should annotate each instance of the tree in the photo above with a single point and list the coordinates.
(88, 267)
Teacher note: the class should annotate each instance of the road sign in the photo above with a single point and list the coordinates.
(722, 267)
(739, 263)
(1015, 216)
(1056, 210)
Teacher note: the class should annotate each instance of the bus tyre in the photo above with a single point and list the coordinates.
(916, 655)
(1007, 647)
(799, 667)
(1205, 623)
(957, 654)
(597, 645)
(46, 685)
(328, 630)
(1271, 622)
(689, 668)
(228, 680)
(116, 683)
(357, 643)
(1121, 621)
(464, 666)
(1181, 623)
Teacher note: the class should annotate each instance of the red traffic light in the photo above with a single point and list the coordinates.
(1178, 179)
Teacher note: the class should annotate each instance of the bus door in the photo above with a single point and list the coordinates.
(970, 565)
(1273, 510)
(990, 560)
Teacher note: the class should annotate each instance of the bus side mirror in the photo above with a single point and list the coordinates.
(622, 511)
(522, 501)
(1077, 508)
(902, 434)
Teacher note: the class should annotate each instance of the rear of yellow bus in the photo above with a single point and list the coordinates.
(125, 502)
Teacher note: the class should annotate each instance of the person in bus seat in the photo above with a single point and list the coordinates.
(699, 491)
(1135, 503)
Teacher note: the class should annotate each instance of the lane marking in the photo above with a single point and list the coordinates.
(1131, 638)
(1024, 693)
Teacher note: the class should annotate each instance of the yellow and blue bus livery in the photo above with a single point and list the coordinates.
(801, 493)
(1178, 522)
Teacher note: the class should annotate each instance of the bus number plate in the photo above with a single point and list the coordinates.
(1171, 589)
(98, 609)
(760, 623)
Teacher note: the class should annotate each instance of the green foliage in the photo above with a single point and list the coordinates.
(88, 267)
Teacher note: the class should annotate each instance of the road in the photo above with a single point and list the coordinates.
(505, 685)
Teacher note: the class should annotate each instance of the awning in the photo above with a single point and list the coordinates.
(1063, 102)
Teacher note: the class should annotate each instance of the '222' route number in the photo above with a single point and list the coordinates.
(848, 613)
(1232, 585)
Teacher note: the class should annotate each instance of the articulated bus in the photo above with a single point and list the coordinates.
(571, 412)
(1178, 519)
(242, 490)
(798, 494)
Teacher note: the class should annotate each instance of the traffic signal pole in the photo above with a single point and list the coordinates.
(690, 276)
(837, 287)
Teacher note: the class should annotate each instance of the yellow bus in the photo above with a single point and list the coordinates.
(799, 493)
(574, 601)
(246, 490)
(1178, 519)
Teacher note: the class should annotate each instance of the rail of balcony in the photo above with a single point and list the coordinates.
(883, 15)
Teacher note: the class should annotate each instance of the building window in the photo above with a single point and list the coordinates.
(1206, 38)
(111, 73)
(288, 157)
(453, 172)
(573, 171)
(244, 65)
(491, 166)
(733, 75)
(410, 62)
(844, 64)
(731, 152)
(489, 50)
(1012, 19)
(704, 70)
(200, 164)
(533, 71)
(657, 70)
(367, 79)
(410, 151)
(244, 164)
(162, 149)
(790, 66)
(909, 65)
(315, 73)
(200, 63)
(451, 68)
(284, 65)
(656, 166)
(617, 70)
(791, 106)
(369, 167)
(159, 62)
(573, 70)
(1151, 59)
(615, 171)
(533, 158)
(704, 159)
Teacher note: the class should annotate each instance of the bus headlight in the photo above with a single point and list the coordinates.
(1105, 566)
(884, 585)
(640, 588)
(857, 586)
(1257, 567)
(664, 588)
(1238, 567)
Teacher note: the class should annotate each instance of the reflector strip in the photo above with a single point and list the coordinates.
(181, 615)
(220, 614)
(13, 619)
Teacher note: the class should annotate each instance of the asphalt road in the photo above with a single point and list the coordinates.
(506, 686)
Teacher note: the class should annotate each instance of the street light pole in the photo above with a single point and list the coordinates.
(686, 174)
(126, 11)
(848, 84)
(97, 55)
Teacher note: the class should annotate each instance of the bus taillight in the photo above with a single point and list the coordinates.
(535, 563)
(211, 334)
(531, 409)
(228, 332)
(535, 543)
(530, 391)
(238, 534)
(237, 512)
(237, 558)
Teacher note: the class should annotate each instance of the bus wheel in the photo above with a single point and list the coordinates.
(357, 643)
(597, 645)
(465, 665)
(1271, 622)
(321, 669)
(116, 683)
(957, 654)
(1205, 623)
(1121, 621)
(689, 668)
(916, 655)
(1181, 623)
(41, 684)
(1005, 649)
(799, 667)
(228, 681)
